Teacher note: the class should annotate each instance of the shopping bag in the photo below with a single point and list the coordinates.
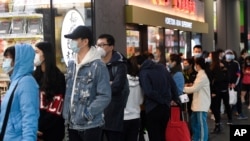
(177, 129)
(232, 96)
(184, 98)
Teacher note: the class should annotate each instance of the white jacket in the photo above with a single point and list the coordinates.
(135, 99)
(201, 92)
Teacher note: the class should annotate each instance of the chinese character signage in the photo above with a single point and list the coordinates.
(189, 9)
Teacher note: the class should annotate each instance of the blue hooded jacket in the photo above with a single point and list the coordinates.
(23, 117)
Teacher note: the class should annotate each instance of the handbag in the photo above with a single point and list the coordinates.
(232, 96)
(6, 117)
(177, 129)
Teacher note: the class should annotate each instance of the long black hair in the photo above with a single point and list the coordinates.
(47, 80)
(176, 58)
(132, 64)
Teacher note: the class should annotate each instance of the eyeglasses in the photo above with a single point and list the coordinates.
(102, 45)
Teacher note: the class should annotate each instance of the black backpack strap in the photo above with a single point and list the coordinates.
(6, 117)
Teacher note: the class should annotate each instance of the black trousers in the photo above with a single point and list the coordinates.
(216, 104)
(108, 135)
(156, 122)
(93, 134)
(131, 129)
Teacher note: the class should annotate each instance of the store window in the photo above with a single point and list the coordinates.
(133, 43)
(169, 41)
(153, 39)
(183, 43)
(32, 21)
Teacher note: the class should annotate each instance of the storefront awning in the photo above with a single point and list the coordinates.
(138, 15)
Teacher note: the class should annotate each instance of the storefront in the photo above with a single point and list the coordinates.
(173, 26)
(32, 21)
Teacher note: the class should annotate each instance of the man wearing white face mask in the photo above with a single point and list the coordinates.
(197, 51)
(117, 67)
(88, 91)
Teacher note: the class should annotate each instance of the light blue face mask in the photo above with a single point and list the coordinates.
(230, 57)
(74, 46)
(6, 66)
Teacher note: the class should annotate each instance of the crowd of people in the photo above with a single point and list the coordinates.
(105, 96)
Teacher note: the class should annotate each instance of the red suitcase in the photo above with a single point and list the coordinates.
(177, 129)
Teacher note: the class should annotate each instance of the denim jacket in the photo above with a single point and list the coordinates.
(88, 92)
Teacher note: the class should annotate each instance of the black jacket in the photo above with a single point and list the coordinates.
(114, 113)
(158, 85)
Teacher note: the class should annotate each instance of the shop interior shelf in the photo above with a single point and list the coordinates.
(20, 15)
(20, 36)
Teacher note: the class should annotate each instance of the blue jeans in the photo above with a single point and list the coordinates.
(199, 126)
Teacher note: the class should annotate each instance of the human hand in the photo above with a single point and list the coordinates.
(173, 103)
(213, 95)
(39, 133)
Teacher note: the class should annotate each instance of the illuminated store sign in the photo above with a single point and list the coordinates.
(179, 23)
(189, 9)
(185, 5)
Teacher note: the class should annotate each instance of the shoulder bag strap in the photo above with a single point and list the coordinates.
(6, 117)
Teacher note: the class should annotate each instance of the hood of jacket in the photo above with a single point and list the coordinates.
(117, 57)
(24, 61)
(133, 80)
(91, 55)
(148, 64)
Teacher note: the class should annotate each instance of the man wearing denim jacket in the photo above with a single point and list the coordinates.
(88, 91)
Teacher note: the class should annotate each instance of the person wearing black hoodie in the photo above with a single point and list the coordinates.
(159, 90)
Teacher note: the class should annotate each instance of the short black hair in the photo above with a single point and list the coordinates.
(110, 39)
(197, 46)
(243, 51)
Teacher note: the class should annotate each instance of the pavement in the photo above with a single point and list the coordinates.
(225, 133)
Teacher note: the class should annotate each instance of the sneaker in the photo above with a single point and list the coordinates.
(229, 122)
(241, 116)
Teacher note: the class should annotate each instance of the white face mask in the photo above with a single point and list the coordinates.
(74, 46)
(37, 61)
(195, 68)
(208, 60)
(101, 51)
(197, 55)
(6, 66)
